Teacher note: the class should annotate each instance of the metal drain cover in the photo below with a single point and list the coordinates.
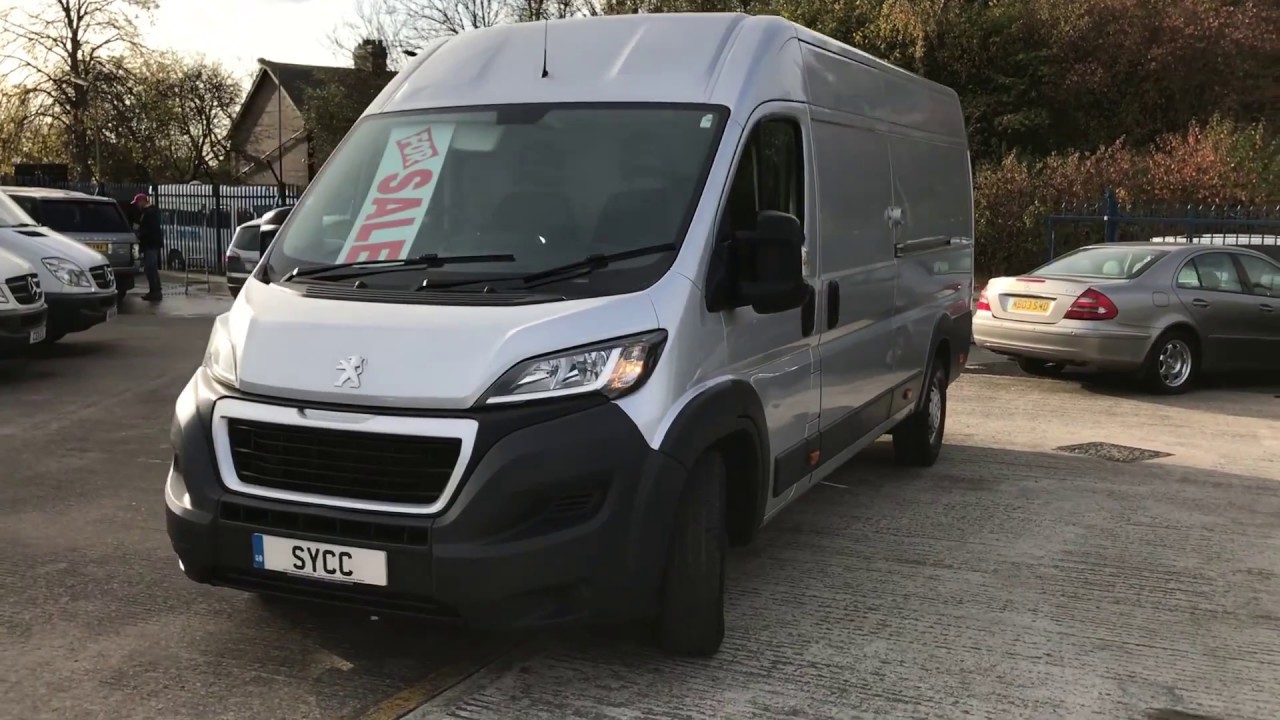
(1112, 452)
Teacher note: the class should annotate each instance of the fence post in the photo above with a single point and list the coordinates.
(1192, 214)
(1111, 217)
(1052, 239)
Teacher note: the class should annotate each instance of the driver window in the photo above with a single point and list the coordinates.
(770, 175)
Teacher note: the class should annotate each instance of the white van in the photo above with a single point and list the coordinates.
(22, 307)
(78, 283)
(539, 343)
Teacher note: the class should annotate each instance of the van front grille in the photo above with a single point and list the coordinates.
(25, 289)
(362, 466)
(103, 277)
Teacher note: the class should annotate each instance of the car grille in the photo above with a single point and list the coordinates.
(361, 466)
(103, 277)
(21, 289)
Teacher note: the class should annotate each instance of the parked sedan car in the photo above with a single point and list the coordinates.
(1166, 311)
(242, 255)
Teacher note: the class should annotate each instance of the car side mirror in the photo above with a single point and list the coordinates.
(271, 223)
(769, 264)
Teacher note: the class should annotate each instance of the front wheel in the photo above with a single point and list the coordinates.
(917, 441)
(1172, 363)
(691, 611)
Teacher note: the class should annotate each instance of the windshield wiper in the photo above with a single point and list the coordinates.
(374, 267)
(591, 263)
(577, 268)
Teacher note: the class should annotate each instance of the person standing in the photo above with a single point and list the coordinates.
(151, 242)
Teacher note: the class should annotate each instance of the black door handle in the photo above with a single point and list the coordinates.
(809, 311)
(1200, 303)
(833, 304)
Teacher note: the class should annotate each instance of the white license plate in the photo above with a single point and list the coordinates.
(37, 335)
(111, 313)
(320, 560)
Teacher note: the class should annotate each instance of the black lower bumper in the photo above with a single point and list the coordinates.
(564, 515)
(76, 312)
(16, 327)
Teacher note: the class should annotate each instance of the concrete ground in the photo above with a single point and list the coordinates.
(1011, 580)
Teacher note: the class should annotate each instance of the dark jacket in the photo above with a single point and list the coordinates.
(150, 231)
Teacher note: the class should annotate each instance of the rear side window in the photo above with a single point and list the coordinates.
(246, 238)
(1212, 271)
(1121, 263)
(83, 216)
(1263, 275)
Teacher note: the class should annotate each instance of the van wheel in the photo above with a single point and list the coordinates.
(1172, 364)
(917, 441)
(691, 610)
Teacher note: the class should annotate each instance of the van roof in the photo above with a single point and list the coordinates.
(50, 193)
(728, 59)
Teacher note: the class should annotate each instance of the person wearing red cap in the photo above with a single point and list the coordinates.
(151, 242)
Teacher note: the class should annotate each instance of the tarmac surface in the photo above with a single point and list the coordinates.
(1012, 580)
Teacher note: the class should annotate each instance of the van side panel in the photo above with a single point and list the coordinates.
(935, 263)
(856, 278)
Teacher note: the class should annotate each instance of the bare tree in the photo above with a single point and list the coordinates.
(64, 52)
(376, 20)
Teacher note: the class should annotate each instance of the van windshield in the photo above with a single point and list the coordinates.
(83, 216)
(545, 184)
(12, 214)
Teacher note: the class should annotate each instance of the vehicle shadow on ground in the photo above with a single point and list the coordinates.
(932, 580)
(42, 362)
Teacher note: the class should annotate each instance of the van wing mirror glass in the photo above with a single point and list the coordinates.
(271, 223)
(770, 264)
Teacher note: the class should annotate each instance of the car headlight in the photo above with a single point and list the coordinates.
(612, 369)
(67, 272)
(220, 354)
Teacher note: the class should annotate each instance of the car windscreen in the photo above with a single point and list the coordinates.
(1121, 263)
(546, 184)
(246, 238)
(83, 216)
(12, 214)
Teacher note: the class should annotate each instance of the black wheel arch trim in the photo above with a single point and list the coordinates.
(718, 413)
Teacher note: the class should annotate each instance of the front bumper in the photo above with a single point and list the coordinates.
(16, 327)
(75, 312)
(506, 551)
(1102, 349)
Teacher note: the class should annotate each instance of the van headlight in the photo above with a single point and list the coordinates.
(612, 369)
(67, 272)
(220, 354)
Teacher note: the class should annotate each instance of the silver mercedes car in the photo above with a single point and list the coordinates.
(1167, 311)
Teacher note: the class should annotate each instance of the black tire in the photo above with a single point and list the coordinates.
(1173, 363)
(917, 441)
(52, 337)
(691, 611)
(1040, 368)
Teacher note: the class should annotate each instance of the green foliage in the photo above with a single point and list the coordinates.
(333, 105)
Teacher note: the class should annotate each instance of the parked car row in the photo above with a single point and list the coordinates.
(1167, 311)
(50, 284)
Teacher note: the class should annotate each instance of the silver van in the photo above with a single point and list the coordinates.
(22, 307)
(543, 339)
(96, 221)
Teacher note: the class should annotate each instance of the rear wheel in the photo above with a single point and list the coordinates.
(1172, 364)
(917, 440)
(691, 612)
(1040, 368)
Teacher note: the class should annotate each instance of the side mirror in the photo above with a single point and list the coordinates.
(769, 264)
(271, 223)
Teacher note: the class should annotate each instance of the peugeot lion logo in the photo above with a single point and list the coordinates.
(352, 368)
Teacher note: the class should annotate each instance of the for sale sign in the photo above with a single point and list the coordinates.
(400, 195)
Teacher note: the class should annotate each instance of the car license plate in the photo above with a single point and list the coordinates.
(320, 560)
(100, 247)
(1030, 305)
(37, 335)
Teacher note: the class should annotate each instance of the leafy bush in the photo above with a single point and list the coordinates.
(1220, 162)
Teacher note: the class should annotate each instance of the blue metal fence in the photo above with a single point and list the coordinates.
(1109, 220)
(199, 219)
